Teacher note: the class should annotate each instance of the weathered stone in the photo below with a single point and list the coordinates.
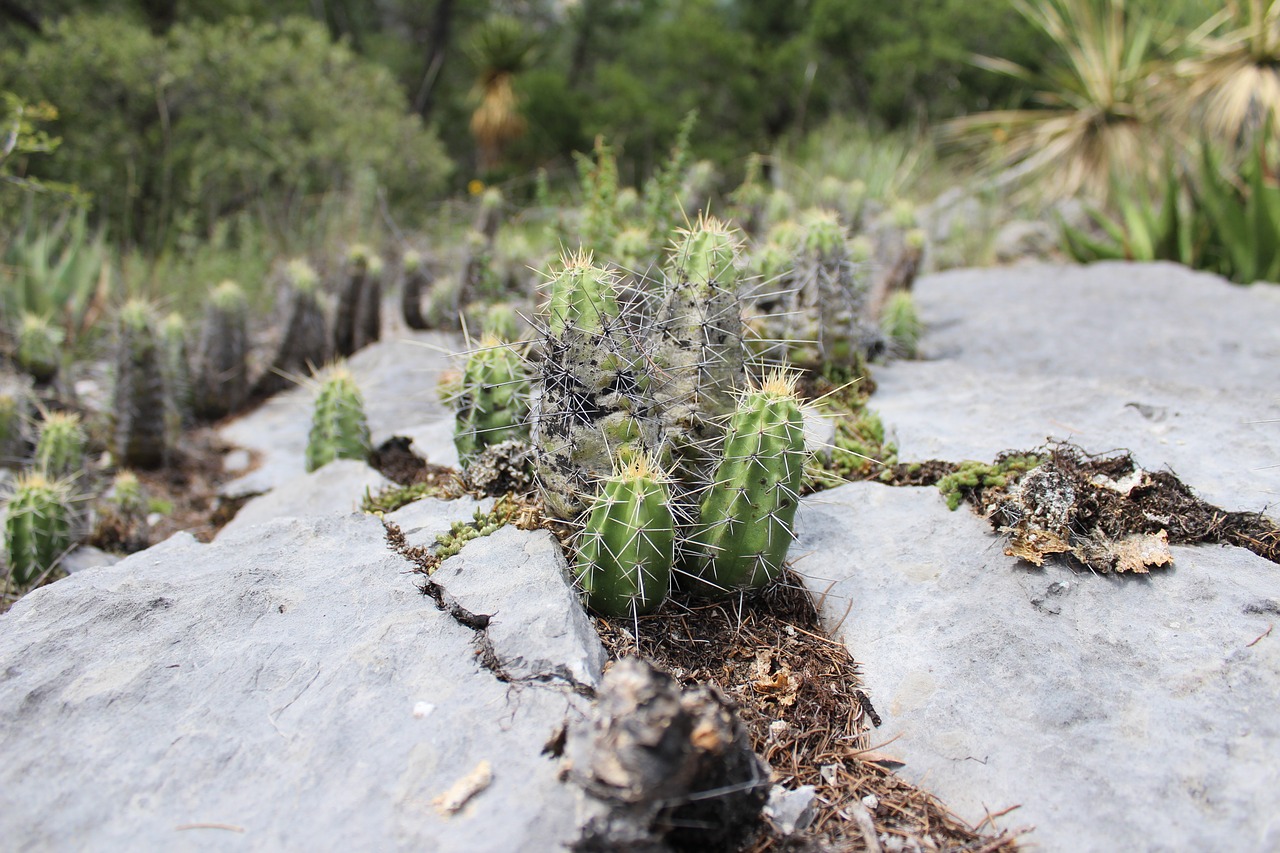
(282, 688)
(333, 489)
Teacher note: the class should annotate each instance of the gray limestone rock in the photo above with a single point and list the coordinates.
(333, 489)
(1177, 366)
(1118, 712)
(282, 688)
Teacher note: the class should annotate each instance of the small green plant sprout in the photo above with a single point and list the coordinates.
(339, 429)
(38, 350)
(61, 445)
(971, 476)
(139, 433)
(901, 324)
(305, 342)
(627, 548)
(745, 524)
(492, 404)
(222, 373)
(417, 279)
(37, 526)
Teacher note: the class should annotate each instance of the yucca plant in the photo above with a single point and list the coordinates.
(1244, 216)
(1099, 100)
(500, 48)
(1146, 230)
(1229, 85)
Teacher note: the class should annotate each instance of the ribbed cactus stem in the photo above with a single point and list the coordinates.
(13, 422)
(339, 429)
(493, 401)
(138, 434)
(746, 518)
(38, 347)
(583, 295)
(222, 378)
(37, 526)
(60, 447)
(305, 343)
(416, 281)
(627, 548)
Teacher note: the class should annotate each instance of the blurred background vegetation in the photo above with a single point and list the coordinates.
(167, 144)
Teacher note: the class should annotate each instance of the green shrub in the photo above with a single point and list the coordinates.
(171, 133)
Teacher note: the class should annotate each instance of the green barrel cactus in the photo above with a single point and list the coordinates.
(339, 429)
(139, 433)
(369, 309)
(222, 374)
(37, 526)
(175, 369)
(592, 398)
(347, 329)
(745, 523)
(493, 402)
(901, 324)
(39, 348)
(305, 343)
(60, 446)
(627, 548)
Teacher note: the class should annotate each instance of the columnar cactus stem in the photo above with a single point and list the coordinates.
(592, 400)
(305, 343)
(222, 373)
(37, 526)
(175, 368)
(338, 426)
(138, 433)
(417, 280)
(746, 517)
(493, 402)
(60, 447)
(627, 548)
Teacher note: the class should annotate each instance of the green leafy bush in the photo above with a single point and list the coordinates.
(171, 133)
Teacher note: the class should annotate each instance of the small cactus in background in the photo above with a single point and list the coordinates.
(139, 437)
(369, 309)
(626, 550)
(501, 320)
(592, 399)
(305, 343)
(901, 323)
(222, 380)
(443, 303)
(493, 402)
(338, 426)
(38, 348)
(745, 521)
(122, 524)
(417, 280)
(37, 526)
(350, 298)
(60, 446)
(175, 370)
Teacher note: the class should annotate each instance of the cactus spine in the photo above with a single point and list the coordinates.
(338, 426)
(746, 516)
(60, 447)
(626, 550)
(305, 343)
(38, 348)
(138, 433)
(493, 402)
(222, 379)
(37, 526)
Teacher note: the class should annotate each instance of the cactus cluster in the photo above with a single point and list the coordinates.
(339, 429)
(629, 425)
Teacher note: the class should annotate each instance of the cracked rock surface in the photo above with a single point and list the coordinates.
(285, 687)
(1117, 712)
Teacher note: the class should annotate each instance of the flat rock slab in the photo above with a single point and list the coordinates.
(1120, 713)
(333, 489)
(284, 688)
(397, 378)
(1176, 366)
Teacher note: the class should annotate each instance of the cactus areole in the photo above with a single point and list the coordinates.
(626, 550)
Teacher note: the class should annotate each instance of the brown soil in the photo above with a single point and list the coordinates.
(800, 695)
